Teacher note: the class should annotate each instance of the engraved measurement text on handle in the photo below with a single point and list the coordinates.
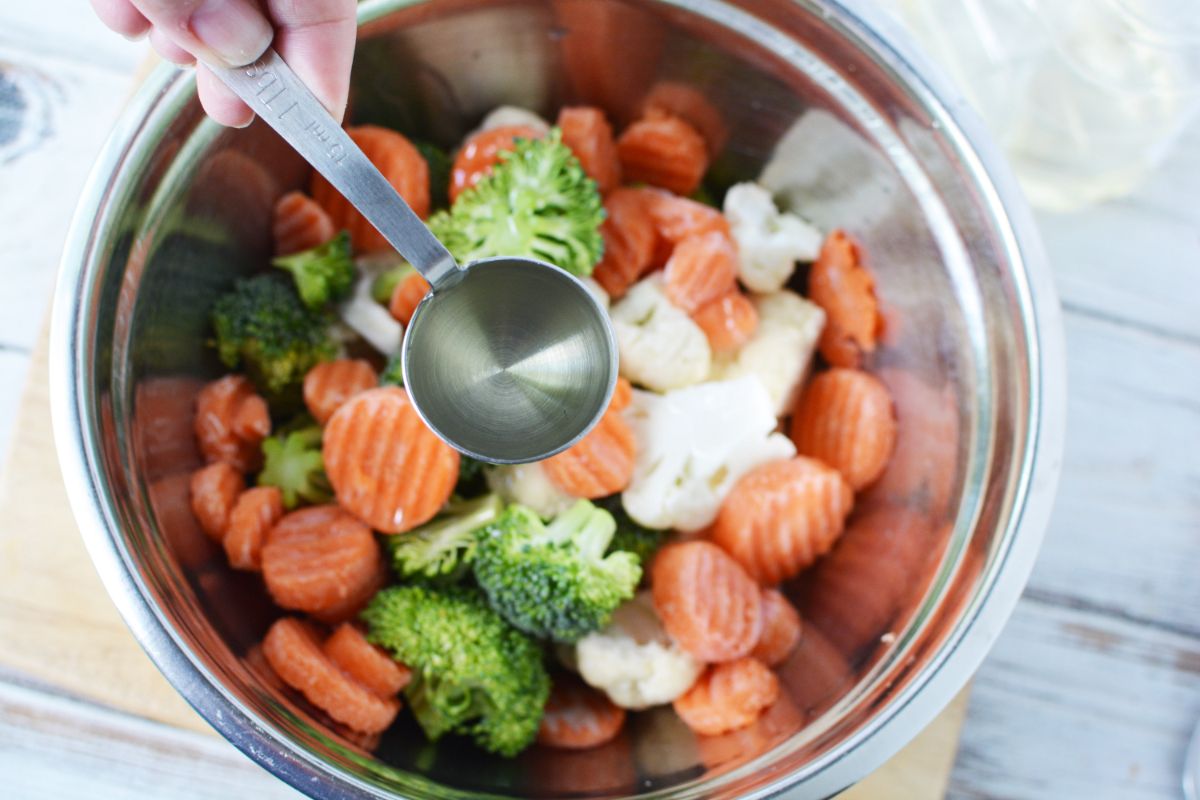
(270, 89)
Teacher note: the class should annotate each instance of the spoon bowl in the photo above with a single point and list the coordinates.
(512, 363)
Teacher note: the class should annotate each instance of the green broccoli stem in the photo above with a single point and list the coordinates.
(386, 282)
(591, 532)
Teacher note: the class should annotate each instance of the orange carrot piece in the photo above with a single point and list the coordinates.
(386, 466)
(701, 269)
(600, 464)
(299, 224)
(662, 150)
(254, 514)
(728, 322)
(215, 489)
(728, 697)
(369, 665)
(586, 131)
(231, 422)
(707, 602)
(678, 218)
(293, 650)
(630, 240)
(399, 161)
(845, 419)
(622, 395)
(781, 517)
(481, 153)
(689, 104)
(318, 557)
(578, 717)
(840, 284)
(781, 629)
(349, 607)
(407, 295)
(330, 384)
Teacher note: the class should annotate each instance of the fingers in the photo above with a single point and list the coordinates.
(121, 16)
(221, 104)
(228, 32)
(168, 50)
(316, 39)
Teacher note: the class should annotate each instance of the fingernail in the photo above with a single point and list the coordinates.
(231, 30)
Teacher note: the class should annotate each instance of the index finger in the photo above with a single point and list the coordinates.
(316, 39)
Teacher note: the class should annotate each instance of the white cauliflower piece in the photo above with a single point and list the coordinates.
(503, 116)
(693, 445)
(769, 242)
(369, 319)
(529, 485)
(781, 349)
(633, 660)
(660, 347)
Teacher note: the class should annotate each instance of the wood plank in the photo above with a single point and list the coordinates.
(51, 600)
(14, 368)
(1137, 258)
(1123, 536)
(55, 747)
(1074, 704)
(54, 116)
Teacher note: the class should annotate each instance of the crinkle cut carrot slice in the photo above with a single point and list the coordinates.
(782, 516)
(630, 240)
(369, 665)
(707, 602)
(293, 650)
(214, 490)
(728, 697)
(781, 629)
(728, 322)
(839, 283)
(701, 269)
(231, 422)
(578, 717)
(600, 463)
(845, 418)
(586, 131)
(403, 166)
(254, 514)
(299, 224)
(407, 295)
(317, 557)
(662, 150)
(331, 383)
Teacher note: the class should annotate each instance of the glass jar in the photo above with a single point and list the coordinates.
(1085, 96)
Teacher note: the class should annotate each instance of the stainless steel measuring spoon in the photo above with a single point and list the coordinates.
(508, 360)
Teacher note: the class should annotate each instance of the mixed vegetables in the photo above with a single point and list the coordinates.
(539, 602)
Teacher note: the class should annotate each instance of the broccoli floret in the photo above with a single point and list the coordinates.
(473, 673)
(441, 551)
(323, 274)
(393, 373)
(538, 202)
(630, 536)
(263, 327)
(386, 282)
(554, 580)
(293, 462)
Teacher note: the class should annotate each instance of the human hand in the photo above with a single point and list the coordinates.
(315, 38)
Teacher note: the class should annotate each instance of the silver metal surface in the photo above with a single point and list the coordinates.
(855, 131)
(510, 366)
(516, 348)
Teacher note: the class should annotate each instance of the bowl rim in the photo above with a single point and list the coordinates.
(909, 712)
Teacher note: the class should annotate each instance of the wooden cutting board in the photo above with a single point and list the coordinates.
(58, 626)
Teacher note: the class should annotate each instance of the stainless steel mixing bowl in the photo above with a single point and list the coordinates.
(849, 127)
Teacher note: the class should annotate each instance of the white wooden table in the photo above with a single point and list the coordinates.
(1095, 685)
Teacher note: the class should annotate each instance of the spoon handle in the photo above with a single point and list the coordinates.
(282, 100)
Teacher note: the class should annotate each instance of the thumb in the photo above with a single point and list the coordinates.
(228, 33)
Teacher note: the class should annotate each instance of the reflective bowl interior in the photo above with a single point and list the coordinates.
(794, 91)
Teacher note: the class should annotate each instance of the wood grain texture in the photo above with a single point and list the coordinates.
(57, 748)
(1075, 704)
(56, 622)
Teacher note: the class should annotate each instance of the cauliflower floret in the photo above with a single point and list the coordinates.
(769, 242)
(633, 660)
(693, 445)
(780, 351)
(529, 485)
(369, 319)
(503, 116)
(660, 347)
